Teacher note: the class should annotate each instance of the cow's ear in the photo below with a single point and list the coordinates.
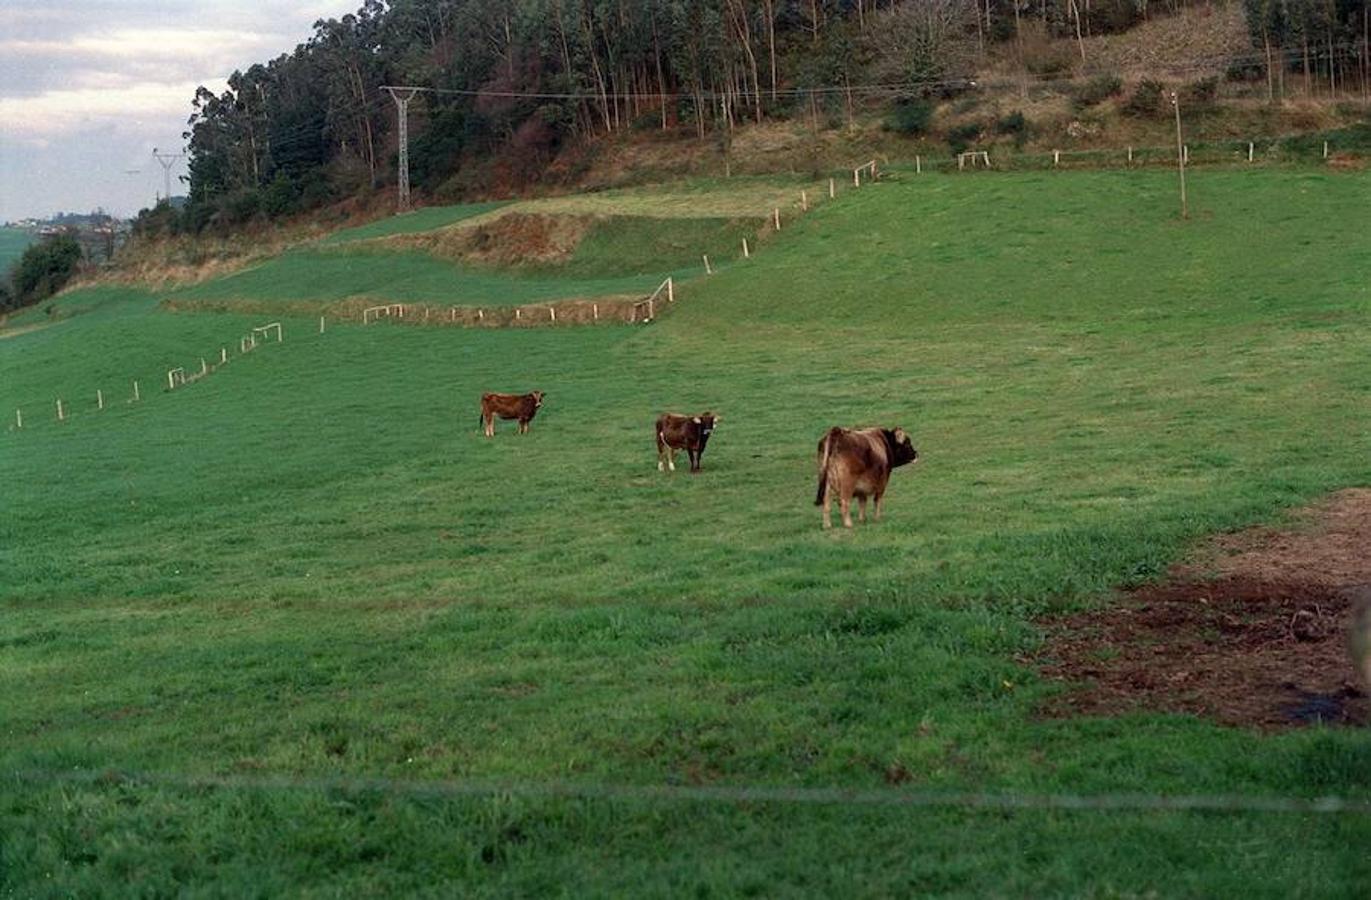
(900, 436)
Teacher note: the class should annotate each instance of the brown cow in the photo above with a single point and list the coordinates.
(859, 463)
(688, 433)
(509, 406)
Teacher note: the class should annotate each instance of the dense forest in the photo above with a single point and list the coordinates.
(517, 79)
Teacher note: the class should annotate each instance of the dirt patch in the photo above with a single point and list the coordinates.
(511, 239)
(1253, 632)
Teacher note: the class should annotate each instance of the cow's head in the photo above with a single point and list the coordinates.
(901, 447)
(706, 421)
(537, 398)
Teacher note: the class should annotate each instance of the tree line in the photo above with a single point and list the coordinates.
(515, 80)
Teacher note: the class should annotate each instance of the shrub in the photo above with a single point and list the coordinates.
(1014, 125)
(1096, 91)
(960, 137)
(909, 117)
(1146, 99)
(1202, 92)
(1246, 70)
(44, 268)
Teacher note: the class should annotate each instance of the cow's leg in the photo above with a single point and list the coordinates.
(523, 426)
(490, 425)
(845, 506)
(877, 506)
(694, 460)
(861, 507)
(671, 459)
(828, 521)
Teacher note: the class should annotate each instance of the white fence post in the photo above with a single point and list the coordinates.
(321, 324)
(1130, 155)
(595, 311)
(1250, 148)
(1056, 158)
(1325, 149)
(135, 391)
(60, 416)
(708, 270)
(918, 165)
(832, 189)
(776, 218)
(99, 399)
(18, 418)
(670, 291)
(552, 314)
(745, 253)
(804, 201)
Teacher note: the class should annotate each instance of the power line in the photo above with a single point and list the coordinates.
(167, 160)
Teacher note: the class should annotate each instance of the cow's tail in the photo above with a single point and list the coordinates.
(824, 447)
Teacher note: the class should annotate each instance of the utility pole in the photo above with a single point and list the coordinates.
(402, 96)
(167, 160)
(1180, 153)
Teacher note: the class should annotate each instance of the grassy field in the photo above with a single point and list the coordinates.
(309, 565)
(13, 242)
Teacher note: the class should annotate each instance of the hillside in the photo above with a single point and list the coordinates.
(296, 627)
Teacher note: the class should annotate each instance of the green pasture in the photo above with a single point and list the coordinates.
(425, 219)
(13, 243)
(310, 565)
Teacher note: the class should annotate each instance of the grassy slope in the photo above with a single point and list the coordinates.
(13, 242)
(309, 563)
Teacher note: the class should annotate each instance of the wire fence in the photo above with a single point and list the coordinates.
(725, 794)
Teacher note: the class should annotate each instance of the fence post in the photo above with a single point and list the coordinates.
(595, 311)
(649, 309)
(18, 418)
(518, 313)
(1056, 158)
(135, 391)
(60, 417)
(1185, 154)
(321, 324)
(804, 201)
(480, 315)
(776, 218)
(1130, 155)
(223, 352)
(99, 399)
(670, 291)
(552, 314)
(832, 192)
(856, 177)
(708, 270)
(203, 366)
(1250, 148)
(745, 253)
(1325, 149)
(918, 165)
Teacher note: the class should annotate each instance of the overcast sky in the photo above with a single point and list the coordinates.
(89, 87)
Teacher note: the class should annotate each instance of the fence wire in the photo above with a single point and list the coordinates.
(730, 794)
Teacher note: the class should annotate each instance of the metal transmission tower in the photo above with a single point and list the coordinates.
(402, 96)
(167, 160)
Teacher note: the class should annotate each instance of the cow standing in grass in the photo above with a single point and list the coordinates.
(859, 463)
(688, 433)
(509, 406)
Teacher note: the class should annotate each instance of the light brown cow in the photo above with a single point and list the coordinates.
(688, 433)
(509, 406)
(858, 463)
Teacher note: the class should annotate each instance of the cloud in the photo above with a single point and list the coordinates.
(96, 83)
(136, 106)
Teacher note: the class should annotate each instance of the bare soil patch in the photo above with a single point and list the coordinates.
(1253, 632)
(512, 238)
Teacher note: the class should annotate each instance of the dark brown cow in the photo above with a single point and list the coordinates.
(858, 463)
(688, 433)
(509, 406)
